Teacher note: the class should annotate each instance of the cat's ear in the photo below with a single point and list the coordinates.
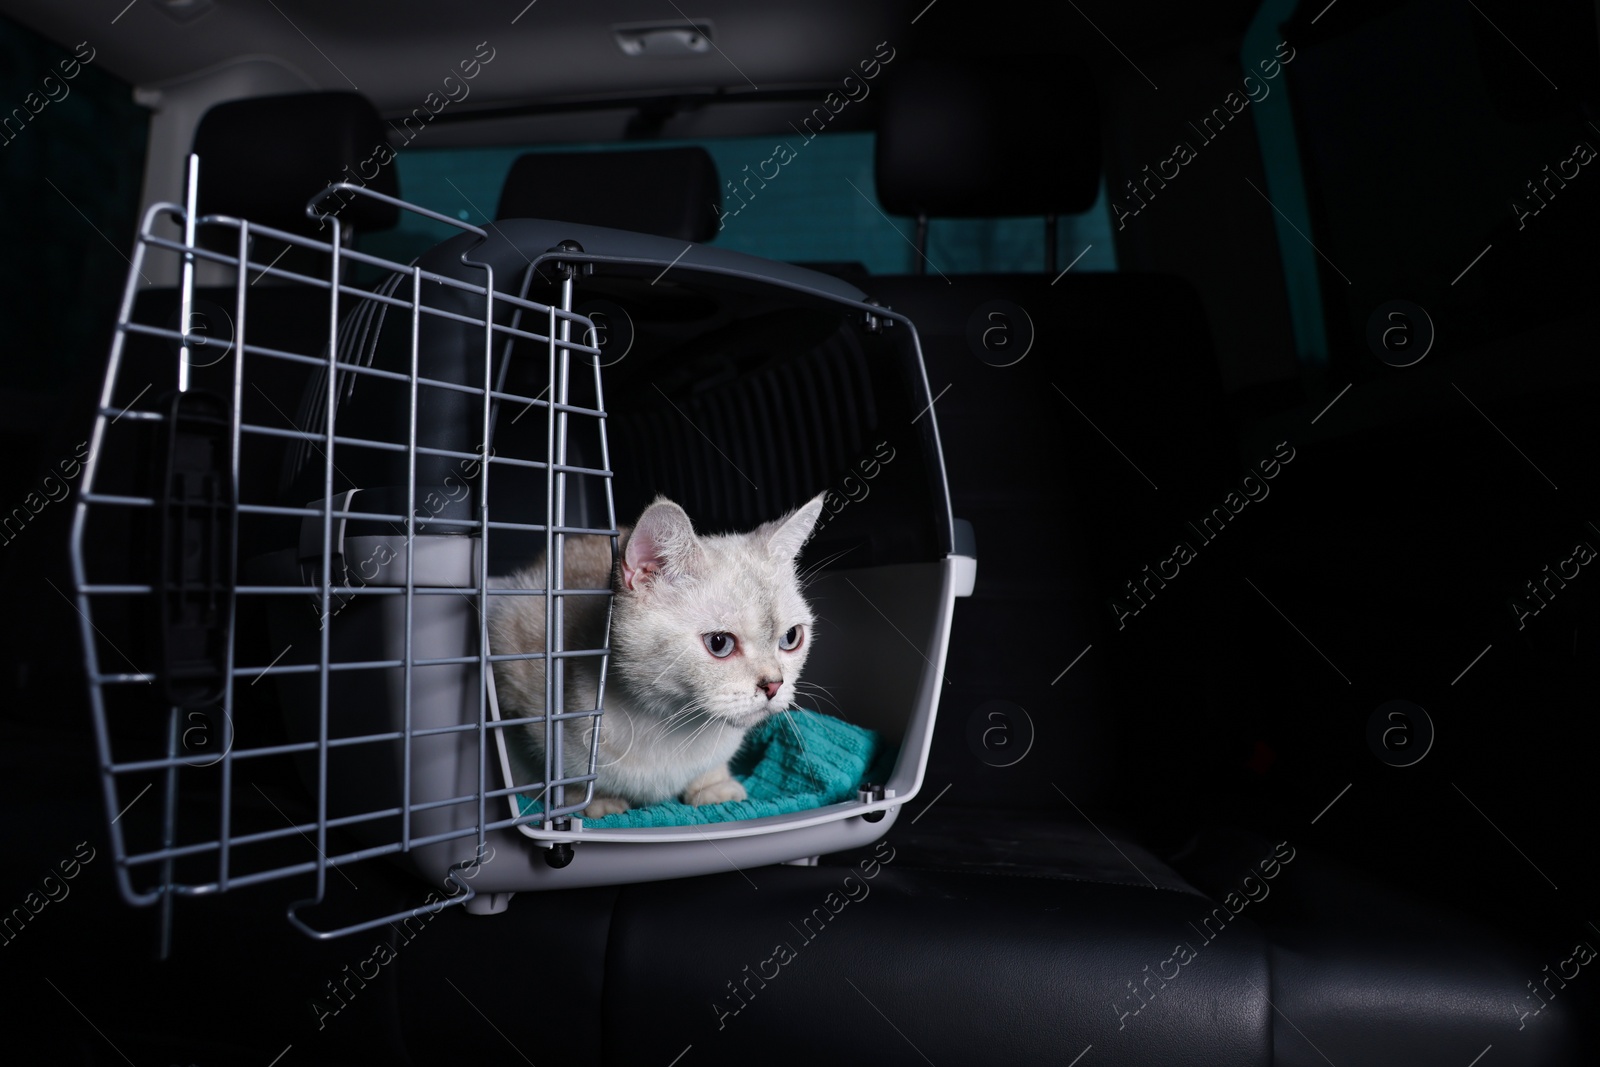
(790, 533)
(662, 543)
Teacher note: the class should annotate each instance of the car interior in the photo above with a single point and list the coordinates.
(1241, 344)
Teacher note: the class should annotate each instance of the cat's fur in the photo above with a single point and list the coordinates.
(674, 712)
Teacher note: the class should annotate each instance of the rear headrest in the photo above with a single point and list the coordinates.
(261, 159)
(669, 192)
(1007, 136)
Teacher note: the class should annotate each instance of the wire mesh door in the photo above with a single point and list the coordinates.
(282, 552)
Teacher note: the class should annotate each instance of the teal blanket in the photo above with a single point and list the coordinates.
(791, 762)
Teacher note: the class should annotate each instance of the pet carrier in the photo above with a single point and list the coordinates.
(282, 550)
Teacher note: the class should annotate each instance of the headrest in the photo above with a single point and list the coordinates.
(1004, 137)
(669, 192)
(261, 159)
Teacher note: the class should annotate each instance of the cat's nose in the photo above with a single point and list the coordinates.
(770, 688)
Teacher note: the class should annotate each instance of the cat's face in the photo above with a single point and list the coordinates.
(715, 625)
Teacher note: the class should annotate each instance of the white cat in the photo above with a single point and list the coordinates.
(708, 638)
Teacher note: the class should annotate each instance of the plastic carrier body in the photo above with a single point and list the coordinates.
(281, 554)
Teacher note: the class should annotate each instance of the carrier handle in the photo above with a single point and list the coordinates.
(196, 534)
(316, 213)
(399, 916)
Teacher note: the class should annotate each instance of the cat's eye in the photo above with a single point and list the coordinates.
(720, 645)
(791, 638)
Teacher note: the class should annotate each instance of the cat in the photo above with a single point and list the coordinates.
(708, 638)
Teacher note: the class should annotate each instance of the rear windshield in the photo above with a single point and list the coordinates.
(820, 209)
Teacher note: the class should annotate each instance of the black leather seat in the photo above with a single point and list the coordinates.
(1364, 973)
(262, 159)
(1332, 961)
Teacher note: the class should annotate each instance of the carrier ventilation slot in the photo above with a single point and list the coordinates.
(786, 428)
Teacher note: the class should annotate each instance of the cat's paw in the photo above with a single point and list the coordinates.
(713, 790)
(600, 807)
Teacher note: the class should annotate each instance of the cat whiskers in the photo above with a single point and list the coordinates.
(788, 717)
(710, 720)
(819, 694)
(811, 571)
(664, 726)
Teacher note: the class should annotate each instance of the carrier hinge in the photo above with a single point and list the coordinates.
(872, 793)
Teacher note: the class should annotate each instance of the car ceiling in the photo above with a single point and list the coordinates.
(562, 51)
(397, 52)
